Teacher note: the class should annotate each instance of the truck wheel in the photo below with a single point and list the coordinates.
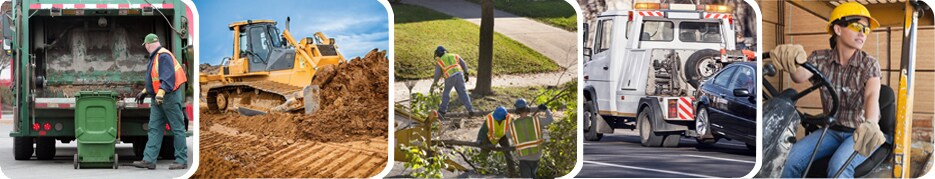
(167, 151)
(22, 148)
(45, 148)
(648, 137)
(672, 140)
(701, 65)
(590, 123)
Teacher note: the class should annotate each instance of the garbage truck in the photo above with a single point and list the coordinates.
(62, 47)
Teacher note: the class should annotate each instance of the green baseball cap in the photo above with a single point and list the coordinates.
(150, 38)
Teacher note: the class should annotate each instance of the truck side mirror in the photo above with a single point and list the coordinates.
(741, 93)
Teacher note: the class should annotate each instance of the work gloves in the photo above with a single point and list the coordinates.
(140, 97)
(467, 78)
(788, 57)
(542, 107)
(159, 96)
(867, 138)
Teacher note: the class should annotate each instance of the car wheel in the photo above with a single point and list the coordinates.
(701, 65)
(590, 123)
(648, 137)
(703, 124)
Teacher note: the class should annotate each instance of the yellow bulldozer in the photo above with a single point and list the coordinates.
(269, 72)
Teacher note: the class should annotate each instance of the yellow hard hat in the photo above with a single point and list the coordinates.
(851, 9)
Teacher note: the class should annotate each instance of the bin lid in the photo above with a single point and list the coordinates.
(101, 93)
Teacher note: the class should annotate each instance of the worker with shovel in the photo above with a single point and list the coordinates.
(165, 76)
(455, 71)
(526, 135)
(855, 75)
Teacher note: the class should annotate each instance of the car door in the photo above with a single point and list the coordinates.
(718, 95)
(598, 69)
(741, 109)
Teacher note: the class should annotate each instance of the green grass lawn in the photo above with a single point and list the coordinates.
(419, 30)
(553, 12)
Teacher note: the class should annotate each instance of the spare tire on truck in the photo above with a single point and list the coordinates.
(701, 65)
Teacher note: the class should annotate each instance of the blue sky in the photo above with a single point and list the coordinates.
(356, 25)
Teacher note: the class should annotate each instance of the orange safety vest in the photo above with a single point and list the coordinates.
(496, 131)
(449, 63)
(179, 73)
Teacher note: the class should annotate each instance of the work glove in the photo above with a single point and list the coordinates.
(140, 97)
(788, 57)
(867, 138)
(467, 78)
(159, 96)
(542, 107)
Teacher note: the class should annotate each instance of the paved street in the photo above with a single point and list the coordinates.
(620, 155)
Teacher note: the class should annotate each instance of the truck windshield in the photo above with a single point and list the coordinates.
(656, 31)
(705, 32)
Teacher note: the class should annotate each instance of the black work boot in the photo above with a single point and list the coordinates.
(144, 164)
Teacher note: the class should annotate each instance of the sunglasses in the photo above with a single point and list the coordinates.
(858, 27)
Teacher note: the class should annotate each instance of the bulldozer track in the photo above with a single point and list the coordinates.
(301, 158)
(267, 95)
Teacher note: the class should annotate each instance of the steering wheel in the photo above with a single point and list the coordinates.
(818, 80)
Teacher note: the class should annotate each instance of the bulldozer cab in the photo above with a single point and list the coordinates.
(260, 48)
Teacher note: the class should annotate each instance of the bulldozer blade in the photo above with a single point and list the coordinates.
(311, 98)
(249, 112)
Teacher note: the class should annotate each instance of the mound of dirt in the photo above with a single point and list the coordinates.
(346, 137)
(354, 100)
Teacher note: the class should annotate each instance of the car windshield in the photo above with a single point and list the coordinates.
(704, 32)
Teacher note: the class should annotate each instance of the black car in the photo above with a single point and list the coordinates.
(726, 106)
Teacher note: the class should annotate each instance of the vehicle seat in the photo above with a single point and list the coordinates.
(887, 125)
(712, 37)
(644, 36)
(688, 36)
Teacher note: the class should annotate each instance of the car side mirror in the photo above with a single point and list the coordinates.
(587, 52)
(741, 93)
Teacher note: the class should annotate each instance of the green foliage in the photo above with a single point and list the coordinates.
(559, 153)
(422, 104)
(424, 161)
(489, 163)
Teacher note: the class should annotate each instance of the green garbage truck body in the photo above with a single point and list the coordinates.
(61, 47)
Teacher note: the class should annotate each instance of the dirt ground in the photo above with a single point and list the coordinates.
(346, 138)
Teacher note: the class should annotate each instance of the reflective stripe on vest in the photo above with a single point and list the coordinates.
(526, 135)
(496, 131)
(450, 64)
(177, 67)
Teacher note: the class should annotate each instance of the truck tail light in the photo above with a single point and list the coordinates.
(167, 127)
(47, 126)
(673, 108)
(35, 126)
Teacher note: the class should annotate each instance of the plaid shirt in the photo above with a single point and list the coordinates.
(849, 81)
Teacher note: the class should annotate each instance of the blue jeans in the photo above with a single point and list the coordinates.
(169, 112)
(838, 144)
(456, 81)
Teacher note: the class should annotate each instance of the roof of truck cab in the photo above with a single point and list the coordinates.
(232, 25)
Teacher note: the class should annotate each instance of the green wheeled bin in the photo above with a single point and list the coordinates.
(96, 129)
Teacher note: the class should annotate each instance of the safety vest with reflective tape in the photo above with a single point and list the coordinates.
(526, 135)
(450, 64)
(496, 130)
(177, 67)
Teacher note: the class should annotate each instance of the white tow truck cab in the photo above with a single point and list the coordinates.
(643, 66)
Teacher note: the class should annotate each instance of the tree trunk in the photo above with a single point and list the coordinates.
(485, 54)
